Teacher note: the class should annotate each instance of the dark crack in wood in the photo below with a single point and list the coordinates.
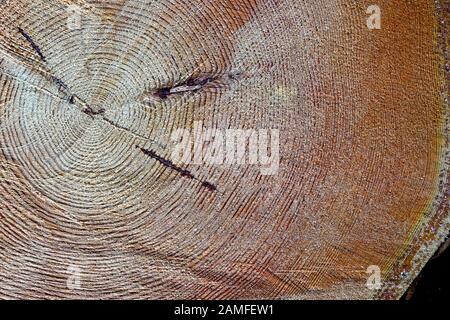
(191, 85)
(30, 40)
(181, 171)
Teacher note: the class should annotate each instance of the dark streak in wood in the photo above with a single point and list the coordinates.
(181, 171)
(32, 43)
(194, 84)
(91, 112)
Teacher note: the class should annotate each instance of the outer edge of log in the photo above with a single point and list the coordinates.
(435, 226)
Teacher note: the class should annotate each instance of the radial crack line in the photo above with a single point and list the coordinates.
(181, 171)
(30, 40)
(137, 135)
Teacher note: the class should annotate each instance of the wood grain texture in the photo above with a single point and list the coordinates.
(86, 117)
